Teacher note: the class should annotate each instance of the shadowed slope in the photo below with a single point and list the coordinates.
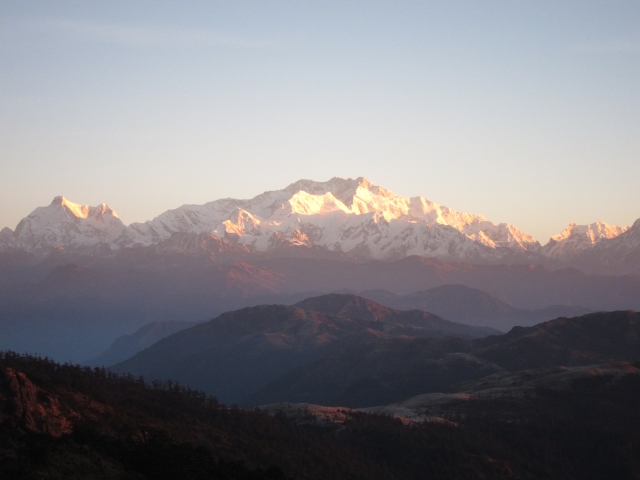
(390, 370)
(472, 306)
(238, 352)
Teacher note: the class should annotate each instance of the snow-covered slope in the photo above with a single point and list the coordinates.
(69, 225)
(345, 215)
(576, 239)
(620, 254)
(348, 216)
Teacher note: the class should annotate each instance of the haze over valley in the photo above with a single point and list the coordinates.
(81, 278)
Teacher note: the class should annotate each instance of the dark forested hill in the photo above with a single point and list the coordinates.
(390, 370)
(63, 421)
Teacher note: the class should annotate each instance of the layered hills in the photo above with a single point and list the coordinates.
(236, 353)
(128, 345)
(74, 311)
(346, 350)
(458, 303)
(74, 278)
(233, 297)
(390, 370)
(472, 306)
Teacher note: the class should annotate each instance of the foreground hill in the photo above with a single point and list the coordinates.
(236, 353)
(390, 370)
(60, 421)
(523, 386)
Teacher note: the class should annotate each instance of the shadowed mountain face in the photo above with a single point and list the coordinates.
(128, 345)
(377, 373)
(359, 308)
(456, 298)
(348, 306)
(238, 352)
(471, 306)
(390, 370)
(591, 338)
(521, 389)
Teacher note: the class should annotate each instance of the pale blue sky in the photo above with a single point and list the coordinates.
(525, 111)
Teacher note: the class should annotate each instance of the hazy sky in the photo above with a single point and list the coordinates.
(525, 111)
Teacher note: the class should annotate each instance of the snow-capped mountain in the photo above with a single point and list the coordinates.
(70, 225)
(350, 217)
(620, 254)
(576, 239)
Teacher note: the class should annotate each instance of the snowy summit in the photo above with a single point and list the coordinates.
(351, 216)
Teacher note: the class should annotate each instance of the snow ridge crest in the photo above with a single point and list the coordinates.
(350, 216)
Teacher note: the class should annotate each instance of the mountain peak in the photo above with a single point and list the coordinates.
(346, 215)
(59, 200)
(576, 239)
(83, 211)
(591, 233)
(334, 185)
(346, 305)
(351, 216)
(361, 181)
(66, 224)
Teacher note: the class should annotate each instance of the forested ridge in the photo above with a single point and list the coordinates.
(67, 421)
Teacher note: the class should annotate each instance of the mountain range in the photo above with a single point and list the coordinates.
(74, 278)
(340, 294)
(457, 303)
(345, 350)
(394, 369)
(343, 217)
(237, 352)
(471, 306)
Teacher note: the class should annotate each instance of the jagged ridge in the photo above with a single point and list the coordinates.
(348, 216)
